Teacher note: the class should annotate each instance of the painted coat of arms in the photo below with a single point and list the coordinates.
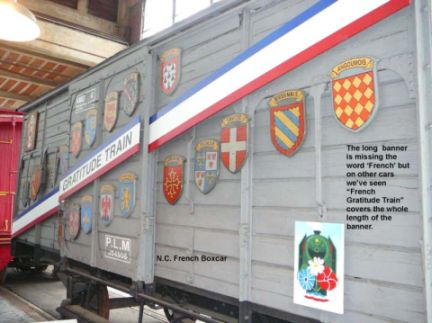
(106, 203)
(63, 158)
(25, 186)
(31, 131)
(35, 182)
(86, 213)
(74, 222)
(234, 141)
(173, 177)
(319, 265)
(90, 126)
(110, 110)
(354, 92)
(76, 138)
(287, 121)
(170, 70)
(127, 193)
(206, 167)
(130, 93)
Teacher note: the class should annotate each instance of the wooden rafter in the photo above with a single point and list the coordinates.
(21, 77)
(16, 97)
(10, 47)
(34, 69)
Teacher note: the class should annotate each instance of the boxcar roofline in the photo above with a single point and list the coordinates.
(156, 39)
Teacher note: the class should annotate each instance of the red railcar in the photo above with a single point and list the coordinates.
(10, 138)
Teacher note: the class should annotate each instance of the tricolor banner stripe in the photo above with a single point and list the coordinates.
(120, 146)
(314, 31)
(36, 213)
(125, 142)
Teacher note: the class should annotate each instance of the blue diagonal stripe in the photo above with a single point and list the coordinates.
(285, 130)
(290, 25)
(289, 114)
(282, 144)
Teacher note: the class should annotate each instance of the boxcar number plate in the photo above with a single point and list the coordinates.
(118, 248)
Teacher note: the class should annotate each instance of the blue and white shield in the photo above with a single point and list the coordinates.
(86, 213)
(90, 127)
(126, 193)
(206, 167)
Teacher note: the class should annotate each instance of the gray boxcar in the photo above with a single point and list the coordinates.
(246, 223)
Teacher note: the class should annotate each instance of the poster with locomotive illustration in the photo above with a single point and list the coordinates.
(319, 265)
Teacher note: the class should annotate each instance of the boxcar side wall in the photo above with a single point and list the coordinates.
(248, 218)
(92, 248)
(52, 132)
(379, 269)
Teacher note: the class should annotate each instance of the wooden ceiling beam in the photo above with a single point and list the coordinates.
(29, 79)
(34, 68)
(16, 97)
(19, 50)
(73, 45)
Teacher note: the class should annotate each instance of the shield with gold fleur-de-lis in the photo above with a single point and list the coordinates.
(106, 203)
(173, 177)
(287, 121)
(355, 92)
(86, 213)
(206, 166)
(127, 189)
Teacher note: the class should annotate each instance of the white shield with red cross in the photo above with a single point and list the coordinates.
(234, 141)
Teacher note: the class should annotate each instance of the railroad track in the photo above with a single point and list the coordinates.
(14, 308)
(34, 297)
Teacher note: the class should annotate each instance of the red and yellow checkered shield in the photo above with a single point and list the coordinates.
(354, 92)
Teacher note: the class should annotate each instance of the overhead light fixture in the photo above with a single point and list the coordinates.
(17, 23)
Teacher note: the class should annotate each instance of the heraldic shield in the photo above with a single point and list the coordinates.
(127, 193)
(170, 70)
(110, 110)
(74, 221)
(106, 203)
(206, 167)
(130, 93)
(90, 127)
(35, 183)
(86, 213)
(76, 138)
(234, 141)
(31, 131)
(354, 91)
(287, 121)
(173, 177)
(63, 158)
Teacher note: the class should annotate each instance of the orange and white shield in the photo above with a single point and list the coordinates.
(173, 177)
(354, 92)
(110, 110)
(76, 138)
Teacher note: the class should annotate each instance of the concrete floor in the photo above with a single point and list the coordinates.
(46, 293)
